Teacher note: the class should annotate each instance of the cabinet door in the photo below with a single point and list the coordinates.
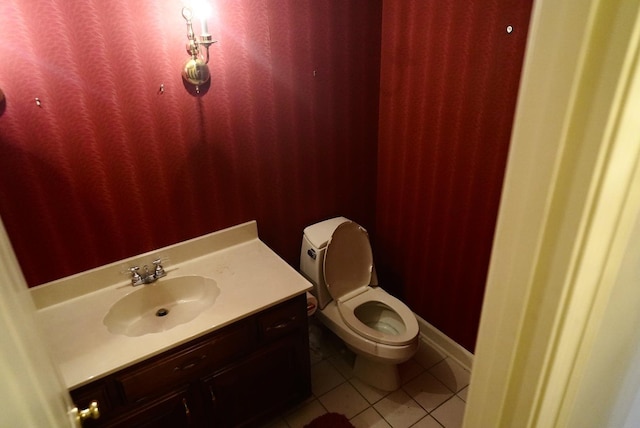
(261, 385)
(97, 391)
(173, 410)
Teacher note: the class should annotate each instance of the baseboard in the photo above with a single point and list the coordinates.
(443, 343)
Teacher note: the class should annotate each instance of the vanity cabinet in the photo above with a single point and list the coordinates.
(236, 376)
(170, 410)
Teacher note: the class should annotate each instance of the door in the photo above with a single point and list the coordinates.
(32, 392)
(557, 344)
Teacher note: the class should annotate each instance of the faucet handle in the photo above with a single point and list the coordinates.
(135, 276)
(158, 270)
(160, 260)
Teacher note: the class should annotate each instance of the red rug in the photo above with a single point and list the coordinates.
(330, 420)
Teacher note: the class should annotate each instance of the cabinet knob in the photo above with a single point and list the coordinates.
(187, 412)
(213, 396)
(282, 324)
(191, 364)
(91, 412)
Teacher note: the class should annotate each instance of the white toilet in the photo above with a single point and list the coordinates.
(382, 331)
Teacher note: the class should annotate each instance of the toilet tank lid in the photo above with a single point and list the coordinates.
(320, 233)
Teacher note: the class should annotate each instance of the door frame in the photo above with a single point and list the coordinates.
(570, 201)
(32, 391)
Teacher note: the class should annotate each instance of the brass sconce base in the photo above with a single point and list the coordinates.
(196, 72)
(196, 90)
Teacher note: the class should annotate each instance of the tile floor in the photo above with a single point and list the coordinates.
(433, 392)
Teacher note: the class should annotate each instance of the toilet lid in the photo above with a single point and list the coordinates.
(348, 260)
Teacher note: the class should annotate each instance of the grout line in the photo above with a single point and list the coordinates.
(323, 356)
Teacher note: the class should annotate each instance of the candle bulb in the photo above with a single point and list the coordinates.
(202, 11)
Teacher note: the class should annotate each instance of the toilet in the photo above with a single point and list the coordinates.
(381, 330)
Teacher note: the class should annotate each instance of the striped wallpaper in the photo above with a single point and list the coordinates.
(448, 85)
(396, 114)
(108, 166)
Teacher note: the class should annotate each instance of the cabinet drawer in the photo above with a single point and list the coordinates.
(283, 319)
(172, 410)
(185, 365)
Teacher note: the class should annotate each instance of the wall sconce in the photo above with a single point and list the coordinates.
(196, 70)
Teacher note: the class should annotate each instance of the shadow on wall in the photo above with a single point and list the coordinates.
(3, 103)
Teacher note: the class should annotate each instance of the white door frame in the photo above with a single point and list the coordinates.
(32, 392)
(570, 201)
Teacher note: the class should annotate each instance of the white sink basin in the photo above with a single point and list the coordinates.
(161, 306)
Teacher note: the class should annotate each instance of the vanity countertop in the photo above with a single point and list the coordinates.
(250, 276)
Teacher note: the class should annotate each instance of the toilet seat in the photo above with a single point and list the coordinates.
(347, 307)
(348, 265)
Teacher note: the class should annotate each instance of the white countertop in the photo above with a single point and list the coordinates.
(250, 276)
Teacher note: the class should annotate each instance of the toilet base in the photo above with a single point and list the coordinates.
(379, 375)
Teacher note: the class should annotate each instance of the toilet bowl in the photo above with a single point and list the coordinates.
(379, 328)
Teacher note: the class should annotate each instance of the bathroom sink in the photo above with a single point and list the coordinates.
(161, 306)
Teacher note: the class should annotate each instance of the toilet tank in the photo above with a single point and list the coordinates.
(314, 244)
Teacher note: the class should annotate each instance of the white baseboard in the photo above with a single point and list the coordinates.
(444, 344)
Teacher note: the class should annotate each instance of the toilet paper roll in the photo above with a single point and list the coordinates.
(312, 304)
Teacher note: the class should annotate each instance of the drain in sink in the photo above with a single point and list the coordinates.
(162, 312)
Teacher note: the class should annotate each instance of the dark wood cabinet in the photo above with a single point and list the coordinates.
(265, 379)
(239, 375)
(170, 410)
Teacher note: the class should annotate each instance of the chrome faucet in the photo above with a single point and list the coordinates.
(147, 277)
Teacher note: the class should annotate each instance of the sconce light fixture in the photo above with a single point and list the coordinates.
(195, 70)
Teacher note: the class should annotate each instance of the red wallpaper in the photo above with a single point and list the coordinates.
(449, 81)
(107, 166)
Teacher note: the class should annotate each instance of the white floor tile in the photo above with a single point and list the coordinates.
(315, 356)
(409, 370)
(305, 414)
(343, 362)
(324, 377)
(370, 393)
(452, 374)
(399, 410)
(427, 422)
(451, 413)
(428, 391)
(431, 381)
(277, 423)
(369, 419)
(463, 394)
(427, 356)
(324, 340)
(344, 399)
